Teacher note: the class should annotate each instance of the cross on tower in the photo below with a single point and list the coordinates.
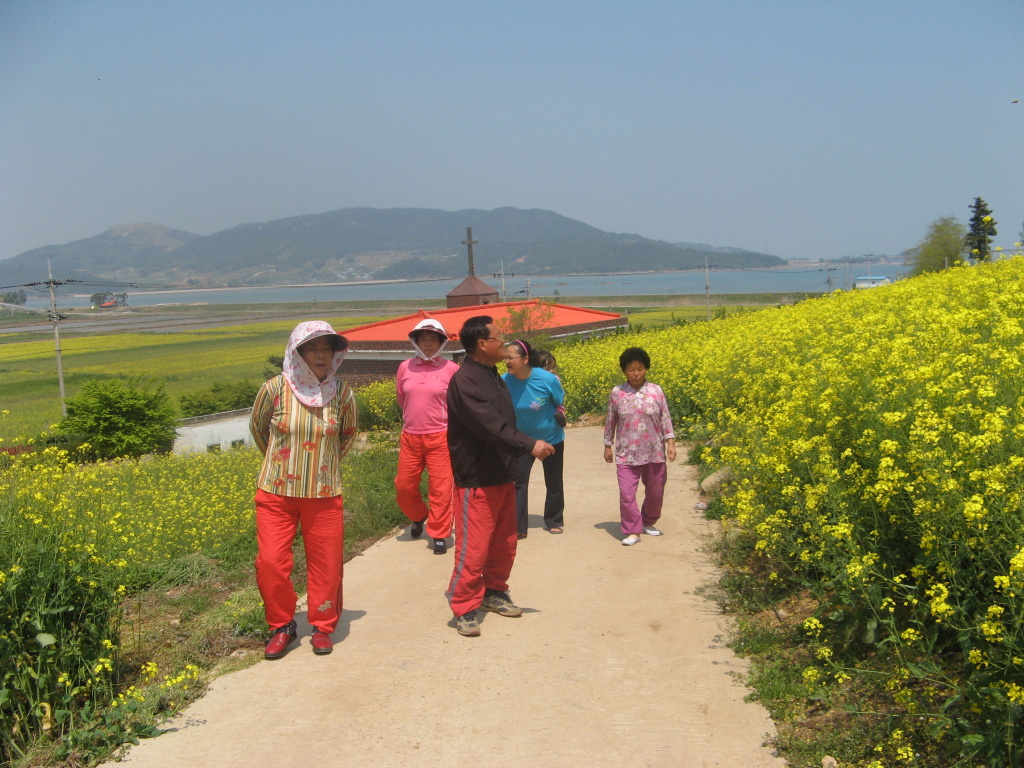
(469, 242)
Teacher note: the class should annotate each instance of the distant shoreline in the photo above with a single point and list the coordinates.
(193, 289)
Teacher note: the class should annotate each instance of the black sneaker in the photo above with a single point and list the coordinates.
(417, 528)
(499, 603)
(467, 625)
(440, 547)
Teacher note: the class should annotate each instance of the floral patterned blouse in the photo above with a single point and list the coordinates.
(302, 445)
(640, 423)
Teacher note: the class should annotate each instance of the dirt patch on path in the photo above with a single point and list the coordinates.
(616, 662)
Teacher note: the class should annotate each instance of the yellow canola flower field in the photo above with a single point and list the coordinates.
(878, 443)
(130, 512)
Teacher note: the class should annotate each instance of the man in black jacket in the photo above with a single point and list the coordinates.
(484, 445)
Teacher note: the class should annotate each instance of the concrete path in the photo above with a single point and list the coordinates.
(615, 663)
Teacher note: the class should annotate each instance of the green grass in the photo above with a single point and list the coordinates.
(657, 317)
(672, 300)
(186, 360)
(189, 361)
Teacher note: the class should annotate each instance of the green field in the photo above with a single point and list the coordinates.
(237, 344)
(188, 361)
(656, 317)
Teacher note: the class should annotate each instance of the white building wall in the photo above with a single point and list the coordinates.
(225, 431)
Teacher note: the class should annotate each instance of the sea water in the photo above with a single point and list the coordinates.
(809, 279)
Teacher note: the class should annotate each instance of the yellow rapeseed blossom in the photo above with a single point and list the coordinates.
(136, 511)
(886, 423)
(812, 627)
(910, 635)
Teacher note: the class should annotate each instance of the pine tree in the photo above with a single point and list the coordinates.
(982, 229)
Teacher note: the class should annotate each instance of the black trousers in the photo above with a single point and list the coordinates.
(554, 502)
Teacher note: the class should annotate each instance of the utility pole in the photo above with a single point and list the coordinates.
(55, 316)
(707, 285)
(502, 275)
(526, 290)
(828, 279)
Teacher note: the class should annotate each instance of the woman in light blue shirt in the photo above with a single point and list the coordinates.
(536, 394)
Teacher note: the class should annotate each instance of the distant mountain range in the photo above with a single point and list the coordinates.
(365, 243)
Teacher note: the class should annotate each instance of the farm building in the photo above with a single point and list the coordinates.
(870, 282)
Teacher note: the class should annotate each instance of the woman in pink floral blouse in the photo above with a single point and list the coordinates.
(304, 421)
(639, 421)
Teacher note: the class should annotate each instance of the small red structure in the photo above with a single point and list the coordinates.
(471, 292)
(376, 349)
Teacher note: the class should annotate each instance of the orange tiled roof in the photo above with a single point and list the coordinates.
(397, 329)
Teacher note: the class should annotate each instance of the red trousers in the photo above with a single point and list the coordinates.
(430, 452)
(485, 544)
(323, 537)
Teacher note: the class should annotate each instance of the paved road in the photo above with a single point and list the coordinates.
(616, 662)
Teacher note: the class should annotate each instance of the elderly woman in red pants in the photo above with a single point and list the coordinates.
(304, 421)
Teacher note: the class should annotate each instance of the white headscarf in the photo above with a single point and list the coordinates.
(304, 383)
(429, 324)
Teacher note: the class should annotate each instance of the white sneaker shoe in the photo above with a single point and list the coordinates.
(630, 540)
(650, 530)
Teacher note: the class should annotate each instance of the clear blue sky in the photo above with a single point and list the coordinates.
(806, 129)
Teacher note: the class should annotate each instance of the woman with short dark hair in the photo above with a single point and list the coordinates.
(639, 423)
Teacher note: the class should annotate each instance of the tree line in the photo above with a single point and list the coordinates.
(949, 243)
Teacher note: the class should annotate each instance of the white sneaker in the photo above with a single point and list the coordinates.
(650, 530)
(630, 540)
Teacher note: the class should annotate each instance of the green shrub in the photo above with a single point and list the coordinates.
(121, 417)
(378, 406)
(219, 397)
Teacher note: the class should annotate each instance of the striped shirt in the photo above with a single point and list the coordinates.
(302, 446)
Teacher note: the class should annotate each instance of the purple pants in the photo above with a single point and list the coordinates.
(632, 517)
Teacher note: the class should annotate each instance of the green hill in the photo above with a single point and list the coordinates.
(112, 255)
(358, 243)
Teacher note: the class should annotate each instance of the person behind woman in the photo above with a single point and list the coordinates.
(536, 394)
(422, 388)
(550, 364)
(639, 420)
(304, 421)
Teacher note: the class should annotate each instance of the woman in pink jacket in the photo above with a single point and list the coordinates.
(422, 388)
